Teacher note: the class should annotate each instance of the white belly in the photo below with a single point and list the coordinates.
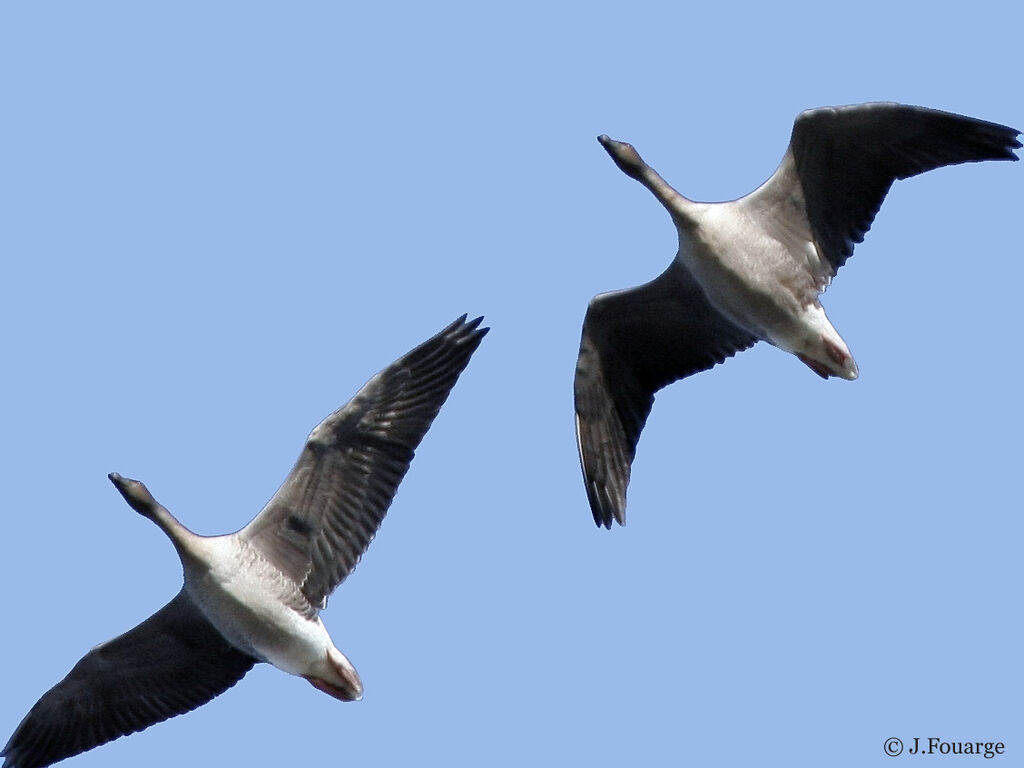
(752, 278)
(246, 599)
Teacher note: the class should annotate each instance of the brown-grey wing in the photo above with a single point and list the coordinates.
(169, 664)
(322, 519)
(848, 157)
(634, 343)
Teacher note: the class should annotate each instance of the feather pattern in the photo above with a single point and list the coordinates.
(634, 343)
(324, 516)
(169, 664)
(848, 158)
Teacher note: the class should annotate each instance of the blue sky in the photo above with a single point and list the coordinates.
(219, 220)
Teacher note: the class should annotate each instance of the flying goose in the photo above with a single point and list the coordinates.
(255, 595)
(751, 269)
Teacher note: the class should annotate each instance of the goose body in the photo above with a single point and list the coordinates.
(766, 284)
(256, 595)
(751, 269)
(262, 612)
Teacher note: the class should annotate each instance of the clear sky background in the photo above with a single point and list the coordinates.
(220, 219)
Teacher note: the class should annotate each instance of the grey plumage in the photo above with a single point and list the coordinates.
(293, 554)
(751, 269)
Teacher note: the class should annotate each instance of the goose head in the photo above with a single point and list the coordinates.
(627, 158)
(136, 494)
(141, 500)
(630, 163)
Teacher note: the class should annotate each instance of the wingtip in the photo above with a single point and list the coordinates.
(474, 324)
(604, 509)
(12, 754)
(469, 328)
(604, 519)
(1012, 144)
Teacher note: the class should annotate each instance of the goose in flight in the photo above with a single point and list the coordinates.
(751, 269)
(255, 595)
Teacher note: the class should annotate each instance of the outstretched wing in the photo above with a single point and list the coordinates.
(169, 664)
(848, 157)
(322, 519)
(634, 343)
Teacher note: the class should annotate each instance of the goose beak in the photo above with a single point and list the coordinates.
(119, 482)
